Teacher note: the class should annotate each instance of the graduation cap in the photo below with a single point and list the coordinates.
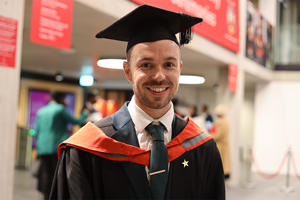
(148, 24)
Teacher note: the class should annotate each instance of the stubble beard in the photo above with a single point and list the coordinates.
(155, 102)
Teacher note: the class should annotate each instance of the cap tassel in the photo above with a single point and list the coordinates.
(186, 31)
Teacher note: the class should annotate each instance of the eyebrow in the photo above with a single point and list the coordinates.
(170, 58)
(150, 59)
(145, 59)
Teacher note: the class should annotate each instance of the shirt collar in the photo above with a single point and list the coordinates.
(141, 119)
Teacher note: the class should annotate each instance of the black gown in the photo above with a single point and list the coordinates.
(82, 175)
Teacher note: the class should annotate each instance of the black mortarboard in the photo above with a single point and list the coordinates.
(148, 24)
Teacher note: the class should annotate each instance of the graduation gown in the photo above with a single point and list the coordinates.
(97, 169)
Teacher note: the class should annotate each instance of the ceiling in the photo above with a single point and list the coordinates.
(86, 49)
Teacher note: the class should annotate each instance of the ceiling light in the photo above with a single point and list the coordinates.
(59, 76)
(111, 63)
(86, 80)
(191, 79)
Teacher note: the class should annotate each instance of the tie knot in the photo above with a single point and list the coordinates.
(156, 131)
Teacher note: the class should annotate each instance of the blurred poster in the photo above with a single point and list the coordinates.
(40, 98)
(8, 41)
(51, 23)
(259, 36)
(220, 18)
(37, 100)
(70, 99)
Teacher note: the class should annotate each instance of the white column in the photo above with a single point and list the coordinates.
(9, 90)
(234, 103)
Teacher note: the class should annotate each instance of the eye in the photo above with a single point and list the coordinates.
(169, 64)
(146, 65)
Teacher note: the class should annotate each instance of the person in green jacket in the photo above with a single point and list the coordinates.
(51, 129)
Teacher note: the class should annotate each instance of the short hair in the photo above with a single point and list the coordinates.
(91, 94)
(128, 55)
(195, 110)
(221, 110)
(205, 108)
(58, 96)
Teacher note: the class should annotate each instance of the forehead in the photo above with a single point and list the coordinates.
(161, 48)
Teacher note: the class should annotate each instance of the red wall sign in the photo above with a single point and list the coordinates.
(8, 41)
(220, 18)
(51, 23)
(232, 77)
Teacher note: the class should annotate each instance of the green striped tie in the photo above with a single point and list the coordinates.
(158, 161)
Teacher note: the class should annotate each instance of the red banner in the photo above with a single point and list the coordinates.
(220, 18)
(51, 23)
(8, 41)
(232, 77)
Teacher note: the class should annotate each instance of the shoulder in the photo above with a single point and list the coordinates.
(106, 125)
(56, 107)
(209, 147)
(40, 111)
(179, 124)
(105, 122)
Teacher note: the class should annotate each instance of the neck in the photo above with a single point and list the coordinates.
(154, 113)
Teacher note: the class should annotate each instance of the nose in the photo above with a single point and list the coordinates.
(159, 74)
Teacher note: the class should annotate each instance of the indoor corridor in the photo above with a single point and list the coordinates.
(258, 189)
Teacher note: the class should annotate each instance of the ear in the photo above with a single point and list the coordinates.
(127, 71)
(180, 66)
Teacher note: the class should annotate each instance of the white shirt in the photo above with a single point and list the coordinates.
(141, 120)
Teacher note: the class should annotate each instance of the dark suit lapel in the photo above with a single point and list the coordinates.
(178, 125)
(126, 133)
(122, 122)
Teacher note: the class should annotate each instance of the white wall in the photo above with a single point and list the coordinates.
(234, 102)
(9, 88)
(268, 9)
(276, 127)
(247, 129)
(246, 135)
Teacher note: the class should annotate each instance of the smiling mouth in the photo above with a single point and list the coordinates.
(158, 90)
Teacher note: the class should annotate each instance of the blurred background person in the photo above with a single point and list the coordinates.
(221, 136)
(193, 111)
(175, 104)
(206, 117)
(51, 129)
(199, 120)
(204, 120)
(94, 115)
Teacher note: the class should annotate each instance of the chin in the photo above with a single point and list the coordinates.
(159, 104)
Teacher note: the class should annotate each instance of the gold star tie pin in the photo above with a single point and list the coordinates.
(185, 163)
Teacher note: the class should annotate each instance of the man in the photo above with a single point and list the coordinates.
(124, 156)
(94, 115)
(205, 120)
(221, 136)
(207, 116)
(51, 130)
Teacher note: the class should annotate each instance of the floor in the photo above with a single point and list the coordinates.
(266, 189)
(259, 189)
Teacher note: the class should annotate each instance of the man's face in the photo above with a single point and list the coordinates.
(154, 69)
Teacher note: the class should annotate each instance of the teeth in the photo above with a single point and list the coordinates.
(158, 89)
